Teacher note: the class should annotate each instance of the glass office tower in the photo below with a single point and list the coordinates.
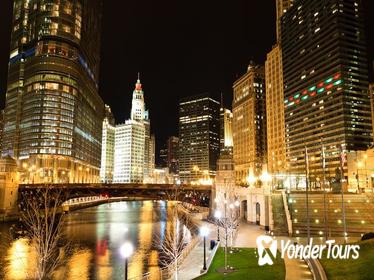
(53, 112)
(325, 85)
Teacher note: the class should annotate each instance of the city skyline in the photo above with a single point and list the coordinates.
(158, 63)
(264, 114)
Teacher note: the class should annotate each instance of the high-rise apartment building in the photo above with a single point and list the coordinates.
(325, 84)
(53, 112)
(249, 123)
(198, 137)
(225, 119)
(134, 146)
(107, 147)
(276, 142)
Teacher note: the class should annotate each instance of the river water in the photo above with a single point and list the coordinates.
(96, 235)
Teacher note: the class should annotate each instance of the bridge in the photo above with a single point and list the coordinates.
(199, 195)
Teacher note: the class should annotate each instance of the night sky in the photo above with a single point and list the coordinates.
(179, 47)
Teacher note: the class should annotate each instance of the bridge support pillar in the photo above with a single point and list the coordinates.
(8, 188)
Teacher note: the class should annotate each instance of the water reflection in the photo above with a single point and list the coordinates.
(96, 235)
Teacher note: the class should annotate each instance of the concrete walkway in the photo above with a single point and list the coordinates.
(193, 263)
(295, 269)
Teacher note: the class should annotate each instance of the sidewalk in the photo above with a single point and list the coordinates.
(193, 263)
(295, 269)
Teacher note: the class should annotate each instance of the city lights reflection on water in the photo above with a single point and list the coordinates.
(96, 234)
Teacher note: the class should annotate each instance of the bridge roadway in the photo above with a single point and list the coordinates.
(195, 194)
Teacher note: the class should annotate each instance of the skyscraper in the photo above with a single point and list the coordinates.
(107, 147)
(53, 112)
(198, 137)
(281, 7)
(225, 119)
(325, 84)
(371, 92)
(173, 155)
(276, 142)
(134, 147)
(249, 123)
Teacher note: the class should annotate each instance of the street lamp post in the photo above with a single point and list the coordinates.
(204, 231)
(126, 251)
(218, 216)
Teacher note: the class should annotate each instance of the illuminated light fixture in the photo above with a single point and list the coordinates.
(337, 76)
(313, 93)
(356, 211)
(292, 103)
(339, 221)
(312, 201)
(362, 222)
(304, 97)
(286, 101)
(291, 98)
(329, 86)
(305, 92)
(312, 88)
(297, 101)
(338, 82)
(330, 201)
(320, 85)
(349, 201)
(329, 80)
(295, 210)
(295, 220)
(317, 221)
(321, 90)
(315, 210)
(336, 211)
(320, 232)
(296, 95)
(297, 232)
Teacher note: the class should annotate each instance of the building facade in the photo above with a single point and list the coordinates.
(53, 112)
(325, 85)
(225, 118)
(198, 138)
(249, 124)
(134, 146)
(129, 152)
(281, 7)
(107, 147)
(360, 165)
(172, 155)
(276, 142)
(371, 92)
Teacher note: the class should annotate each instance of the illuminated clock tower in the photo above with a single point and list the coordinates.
(138, 106)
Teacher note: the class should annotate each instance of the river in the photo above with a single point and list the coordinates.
(96, 235)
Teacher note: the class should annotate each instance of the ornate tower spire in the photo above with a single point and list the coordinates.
(138, 106)
(138, 85)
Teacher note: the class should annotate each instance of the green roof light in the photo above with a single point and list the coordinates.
(338, 82)
(304, 97)
(312, 88)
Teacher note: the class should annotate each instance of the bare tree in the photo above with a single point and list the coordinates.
(172, 243)
(43, 218)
